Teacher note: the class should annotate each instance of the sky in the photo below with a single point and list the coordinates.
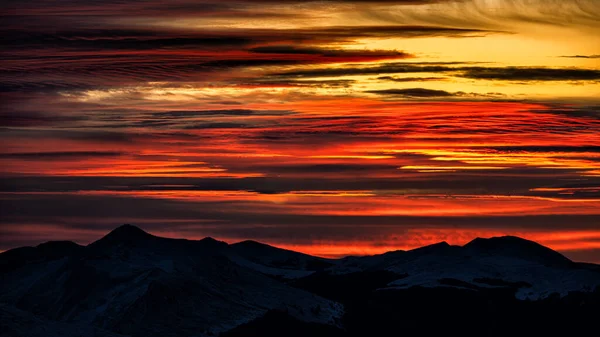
(330, 127)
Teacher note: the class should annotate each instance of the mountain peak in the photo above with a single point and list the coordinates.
(209, 239)
(436, 247)
(128, 230)
(125, 234)
(58, 248)
(502, 242)
(250, 243)
(262, 248)
(517, 247)
(210, 242)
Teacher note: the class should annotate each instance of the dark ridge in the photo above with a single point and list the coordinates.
(258, 249)
(434, 248)
(251, 243)
(132, 236)
(390, 254)
(278, 257)
(52, 250)
(16, 258)
(513, 246)
(394, 252)
(53, 247)
(262, 248)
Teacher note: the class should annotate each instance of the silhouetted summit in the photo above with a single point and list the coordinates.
(252, 243)
(512, 246)
(128, 232)
(125, 235)
(211, 241)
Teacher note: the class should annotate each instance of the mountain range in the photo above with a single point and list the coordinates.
(132, 283)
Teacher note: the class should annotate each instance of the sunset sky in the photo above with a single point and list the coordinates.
(329, 127)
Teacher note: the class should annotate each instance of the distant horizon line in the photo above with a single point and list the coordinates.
(287, 247)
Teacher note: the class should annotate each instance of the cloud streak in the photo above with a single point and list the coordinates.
(482, 73)
(413, 92)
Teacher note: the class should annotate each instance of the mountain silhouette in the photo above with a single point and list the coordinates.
(51, 250)
(127, 233)
(517, 247)
(278, 258)
(132, 283)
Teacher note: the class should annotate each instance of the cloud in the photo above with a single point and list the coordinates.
(531, 74)
(387, 68)
(83, 135)
(553, 148)
(81, 59)
(258, 40)
(517, 181)
(216, 125)
(211, 8)
(298, 50)
(577, 110)
(302, 169)
(481, 73)
(430, 93)
(506, 14)
(410, 79)
(283, 82)
(347, 34)
(59, 155)
(121, 39)
(29, 118)
(413, 92)
(221, 112)
(582, 56)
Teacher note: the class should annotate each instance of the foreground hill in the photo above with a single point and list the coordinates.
(132, 283)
